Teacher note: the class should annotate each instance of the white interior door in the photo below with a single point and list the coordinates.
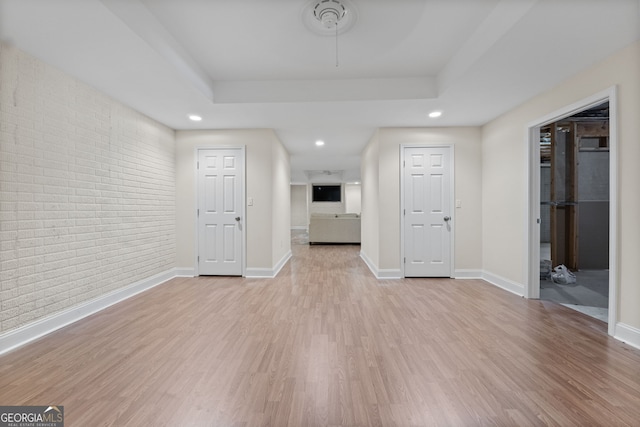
(220, 211)
(427, 211)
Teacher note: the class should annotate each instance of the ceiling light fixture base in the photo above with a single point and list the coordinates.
(323, 16)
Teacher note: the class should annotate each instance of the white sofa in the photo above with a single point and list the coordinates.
(334, 228)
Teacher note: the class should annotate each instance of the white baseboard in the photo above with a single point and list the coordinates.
(501, 282)
(467, 274)
(185, 272)
(369, 263)
(282, 263)
(390, 273)
(268, 273)
(259, 273)
(299, 227)
(380, 273)
(32, 331)
(628, 334)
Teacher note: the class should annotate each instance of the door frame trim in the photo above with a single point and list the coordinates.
(532, 182)
(452, 194)
(243, 189)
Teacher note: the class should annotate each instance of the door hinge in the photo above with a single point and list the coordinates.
(404, 212)
(405, 260)
(198, 212)
(198, 258)
(404, 163)
(198, 165)
(538, 220)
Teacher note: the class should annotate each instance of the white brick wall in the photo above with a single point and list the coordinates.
(87, 192)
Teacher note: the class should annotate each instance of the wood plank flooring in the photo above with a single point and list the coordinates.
(326, 344)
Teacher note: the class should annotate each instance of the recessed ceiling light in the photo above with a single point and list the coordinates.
(195, 118)
(319, 143)
(435, 114)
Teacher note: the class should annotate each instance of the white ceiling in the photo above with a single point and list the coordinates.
(254, 63)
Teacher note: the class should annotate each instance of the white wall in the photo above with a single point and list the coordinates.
(267, 183)
(87, 195)
(303, 206)
(281, 203)
(381, 180)
(504, 164)
(353, 198)
(369, 223)
(299, 210)
(326, 207)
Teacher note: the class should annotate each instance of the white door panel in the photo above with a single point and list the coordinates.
(427, 211)
(220, 211)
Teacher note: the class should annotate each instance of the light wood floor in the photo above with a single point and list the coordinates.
(326, 344)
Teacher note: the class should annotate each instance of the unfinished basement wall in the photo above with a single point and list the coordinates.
(87, 194)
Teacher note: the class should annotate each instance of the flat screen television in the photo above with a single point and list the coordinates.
(326, 193)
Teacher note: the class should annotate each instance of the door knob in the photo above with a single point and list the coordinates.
(237, 218)
(447, 218)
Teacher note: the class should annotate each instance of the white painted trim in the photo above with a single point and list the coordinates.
(614, 167)
(532, 183)
(452, 198)
(259, 273)
(402, 207)
(369, 263)
(380, 274)
(185, 272)
(32, 331)
(196, 202)
(390, 273)
(299, 227)
(283, 261)
(531, 260)
(268, 273)
(627, 334)
(467, 274)
(452, 208)
(501, 282)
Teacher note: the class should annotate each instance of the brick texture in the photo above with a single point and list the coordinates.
(87, 192)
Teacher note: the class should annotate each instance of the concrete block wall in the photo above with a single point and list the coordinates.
(87, 192)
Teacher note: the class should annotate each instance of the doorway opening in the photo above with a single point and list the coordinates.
(573, 221)
(574, 211)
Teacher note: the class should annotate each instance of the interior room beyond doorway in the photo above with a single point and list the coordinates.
(574, 211)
